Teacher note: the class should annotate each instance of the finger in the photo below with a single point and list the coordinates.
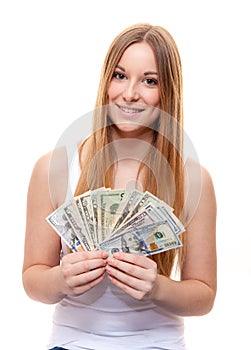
(87, 277)
(135, 293)
(133, 281)
(85, 255)
(80, 289)
(114, 265)
(82, 266)
(131, 267)
(136, 259)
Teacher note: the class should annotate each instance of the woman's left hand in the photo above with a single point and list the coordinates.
(135, 274)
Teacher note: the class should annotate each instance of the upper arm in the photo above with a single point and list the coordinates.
(42, 243)
(200, 253)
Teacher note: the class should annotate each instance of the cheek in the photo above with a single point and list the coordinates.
(112, 92)
(153, 99)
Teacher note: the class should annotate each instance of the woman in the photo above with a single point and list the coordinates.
(128, 301)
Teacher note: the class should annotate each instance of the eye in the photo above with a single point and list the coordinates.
(118, 75)
(151, 81)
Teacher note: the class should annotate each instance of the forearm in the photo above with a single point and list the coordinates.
(43, 283)
(183, 298)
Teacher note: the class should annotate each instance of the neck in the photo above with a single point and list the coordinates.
(145, 134)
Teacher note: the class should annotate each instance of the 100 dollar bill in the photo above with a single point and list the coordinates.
(147, 240)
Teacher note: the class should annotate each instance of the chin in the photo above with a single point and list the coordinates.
(128, 127)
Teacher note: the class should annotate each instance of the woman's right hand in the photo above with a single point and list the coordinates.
(82, 271)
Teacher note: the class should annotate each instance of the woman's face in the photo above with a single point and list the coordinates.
(133, 93)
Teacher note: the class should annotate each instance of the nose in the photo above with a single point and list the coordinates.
(130, 92)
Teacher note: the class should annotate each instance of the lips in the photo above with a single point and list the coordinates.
(130, 110)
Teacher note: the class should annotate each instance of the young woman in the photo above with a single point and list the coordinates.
(127, 301)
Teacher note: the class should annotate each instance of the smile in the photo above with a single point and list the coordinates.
(130, 110)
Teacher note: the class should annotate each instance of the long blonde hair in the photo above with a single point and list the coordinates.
(168, 139)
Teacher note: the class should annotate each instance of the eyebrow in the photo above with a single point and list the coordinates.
(150, 73)
(146, 73)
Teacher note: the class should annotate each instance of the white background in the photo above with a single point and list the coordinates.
(51, 56)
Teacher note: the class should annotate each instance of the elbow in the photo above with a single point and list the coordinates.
(28, 286)
(206, 309)
(205, 305)
(37, 286)
(210, 304)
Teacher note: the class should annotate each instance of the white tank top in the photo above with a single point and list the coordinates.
(106, 318)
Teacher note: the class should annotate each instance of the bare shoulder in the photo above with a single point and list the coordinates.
(85, 148)
(42, 164)
(199, 188)
(40, 171)
(196, 173)
(200, 260)
(42, 244)
(50, 174)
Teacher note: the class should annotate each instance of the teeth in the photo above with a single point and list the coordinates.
(130, 110)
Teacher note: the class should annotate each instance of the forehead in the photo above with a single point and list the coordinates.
(139, 53)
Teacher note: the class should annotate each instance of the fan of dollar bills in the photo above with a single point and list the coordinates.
(117, 220)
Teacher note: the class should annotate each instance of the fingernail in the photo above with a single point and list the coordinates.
(105, 254)
(108, 268)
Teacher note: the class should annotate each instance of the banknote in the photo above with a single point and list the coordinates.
(108, 203)
(58, 220)
(132, 198)
(147, 240)
(83, 206)
(159, 237)
(146, 215)
(117, 220)
(160, 208)
(83, 217)
(129, 242)
(77, 226)
(172, 219)
(146, 198)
